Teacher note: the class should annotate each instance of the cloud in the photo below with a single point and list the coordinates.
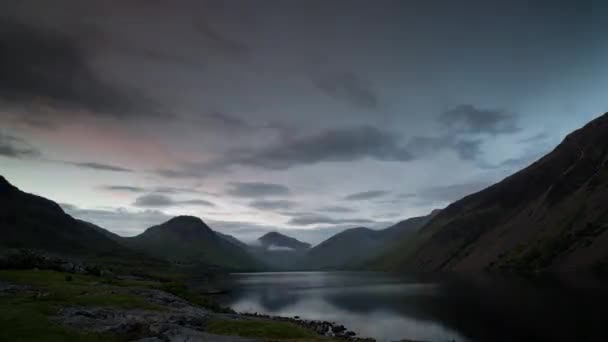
(366, 195)
(314, 219)
(159, 190)
(347, 86)
(256, 189)
(14, 147)
(226, 47)
(336, 209)
(272, 204)
(465, 149)
(163, 201)
(469, 119)
(43, 65)
(535, 138)
(334, 145)
(274, 248)
(98, 166)
(119, 220)
(449, 193)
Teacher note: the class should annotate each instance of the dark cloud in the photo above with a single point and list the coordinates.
(174, 173)
(366, 195)
(468, 149)
(540, 137)
(349, 87)
(43, 65)
(159, 189)
(14, 147)
(336, 209)
(469, 119)
(219, 42)
(154, 200)
(256, 189)
(314, 219)
(195, 202)
(125, 188)
(164, 201)
(272, 204)
(465, 149)
(335, 145)
(99, 166)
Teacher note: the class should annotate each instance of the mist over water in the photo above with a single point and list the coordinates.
(389, 308)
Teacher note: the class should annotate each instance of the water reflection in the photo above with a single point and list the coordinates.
(449, 309)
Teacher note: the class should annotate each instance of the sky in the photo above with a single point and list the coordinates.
(304, 117)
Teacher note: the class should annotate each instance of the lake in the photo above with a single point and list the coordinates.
(458, 308)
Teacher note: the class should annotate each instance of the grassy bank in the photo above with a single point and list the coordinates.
(30, 298)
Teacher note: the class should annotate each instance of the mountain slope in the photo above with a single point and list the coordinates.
(189, 239)
(274, 240)
(355, 246)
(232, 240)
(550, 215)
(33, 222)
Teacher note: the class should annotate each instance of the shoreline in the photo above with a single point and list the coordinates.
(323, 328)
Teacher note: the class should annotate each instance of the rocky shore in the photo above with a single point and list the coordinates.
(323, 328)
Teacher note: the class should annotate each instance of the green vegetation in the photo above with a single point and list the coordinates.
(27, 320)
(53, 288)
(271, 330)
(25, 315)
(27, 310)
(182, 291)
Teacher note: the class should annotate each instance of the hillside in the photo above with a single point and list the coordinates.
(33, 222)
(189, 239)
(356, 246)
(549, 216)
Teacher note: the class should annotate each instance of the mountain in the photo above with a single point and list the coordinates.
(278, 251)
(189, 239)
(33, 222)
(549, 216)
(232, 240)
(278, 241)
(355, 246)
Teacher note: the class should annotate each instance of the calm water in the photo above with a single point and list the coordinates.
(390, 308)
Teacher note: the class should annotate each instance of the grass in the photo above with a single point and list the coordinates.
(24, 316)
(269, 330)
(28, 321)
(182, 291)
(81, 290)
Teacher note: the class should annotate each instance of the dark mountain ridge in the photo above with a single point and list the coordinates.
(33, 222)
(189, 239)
(549, 216)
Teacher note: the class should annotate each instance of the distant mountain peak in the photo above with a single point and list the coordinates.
(278, 240)
(185, 219)
(186, 227)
